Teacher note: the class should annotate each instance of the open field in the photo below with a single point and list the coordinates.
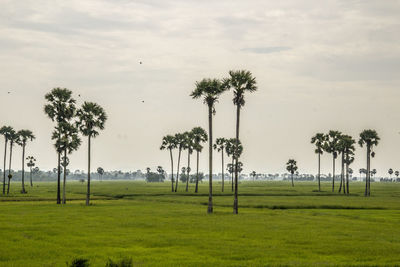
(276, 225)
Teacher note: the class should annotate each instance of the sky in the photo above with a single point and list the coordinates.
(319, 65)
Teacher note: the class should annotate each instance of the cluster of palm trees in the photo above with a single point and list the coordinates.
(190, 141)
(69, 122)
(15, 137)
(337, 143)
(210, 90)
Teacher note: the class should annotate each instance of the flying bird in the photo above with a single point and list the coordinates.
(140, 62)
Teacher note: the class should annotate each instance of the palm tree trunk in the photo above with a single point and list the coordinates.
(172, 170)
(232, 173)
(235, 202)
(188, 172)
(4, 169)
(88, 179)
(292, 181)
(177, 173)
(223, 176)
(65, 176)
(367, 178)
(333, 178)
(319, 172)
(59, 179)
(30, 176)
(9, 168)
(23, 169)
(210, 150)
(197, 173)
(347, 177)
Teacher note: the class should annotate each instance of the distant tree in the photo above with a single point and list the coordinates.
(189, 146)
(397, 174)
(210, 90)
(291, 166)
(7, 132)
(348, 143)
(100, 171)
(331, 146)
(369, 138)
(199, 137)
(241, 81)
(60, 108)
(91, 119)
(23, 137)
(13, 139)
(253, 174)
(319, 140)
(68, 143)
(168, 142)
(219, 145)
(234, 151)
(390, 172)
(31, 164)
(180, 142)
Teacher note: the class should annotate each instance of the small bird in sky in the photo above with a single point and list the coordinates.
(8, 92)
(79, 95)
(142, 101)
(140, 62)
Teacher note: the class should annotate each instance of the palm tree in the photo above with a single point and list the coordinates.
(241, 81)
(5, 131)
(13, 137)
(180, 142)
(168, 142)
(291, 166)
(23, 137)
(210, 90)
(60, 108)
(100, 171)
(91, 119)
(390, 172)
(68, 143)
(369, 138)
(397, 174)
(346, 145)
(220, 146)
(189, 145)
(319, 140)
(31, 163)
(331, 146)
(234, 151)
(199, 136)
(253, 174)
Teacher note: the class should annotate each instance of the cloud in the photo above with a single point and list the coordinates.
(266, 50)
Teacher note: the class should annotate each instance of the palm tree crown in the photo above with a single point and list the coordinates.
(241, 81)
(291, 166)
(319, 140)
(168, 142)
(210, 89)
(369, 138)
(91, 117)
(24, 136)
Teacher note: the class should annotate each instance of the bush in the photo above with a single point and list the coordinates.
(79, 262)
(125, 262)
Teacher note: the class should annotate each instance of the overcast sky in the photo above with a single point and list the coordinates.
(319, 65)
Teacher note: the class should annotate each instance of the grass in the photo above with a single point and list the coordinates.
(276, 225)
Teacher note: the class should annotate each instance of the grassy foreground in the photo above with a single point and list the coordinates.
(276, 225)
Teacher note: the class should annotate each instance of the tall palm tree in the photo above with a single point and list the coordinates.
(100, 171)
(5, 131)
(13, 137)
(397, 174)
(291, 166)
(23, 137)
(241, 81)
(331, 146)
(91, 119)
(168, 142)
(180, 142)
(319, 140)
(31, 163)
(189, 145)
(210, 90)
(199, 137)
(60, 108)
(220, 146)
(369, 138)
(346, 146)
(68, 143)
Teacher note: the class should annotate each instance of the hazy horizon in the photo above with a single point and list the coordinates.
(319, 67)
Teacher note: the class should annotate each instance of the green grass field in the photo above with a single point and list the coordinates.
(276, 225)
